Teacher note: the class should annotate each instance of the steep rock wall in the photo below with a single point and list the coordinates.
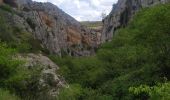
(121, 13)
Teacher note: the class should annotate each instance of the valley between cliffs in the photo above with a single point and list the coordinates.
(45, 54)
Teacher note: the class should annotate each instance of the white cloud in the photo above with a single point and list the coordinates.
(84, 10)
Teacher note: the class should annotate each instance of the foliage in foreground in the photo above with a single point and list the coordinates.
(138, 54)
(158, 92)
(5, 95)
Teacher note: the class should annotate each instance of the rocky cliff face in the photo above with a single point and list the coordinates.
(121, 13)
(57, 31)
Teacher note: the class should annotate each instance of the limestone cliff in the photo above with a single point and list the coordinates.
(122, 12)
(57, 31)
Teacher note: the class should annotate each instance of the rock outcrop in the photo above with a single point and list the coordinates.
(49, 78)
(57, 31)
(122, 12)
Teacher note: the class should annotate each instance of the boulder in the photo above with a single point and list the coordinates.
(49, 78)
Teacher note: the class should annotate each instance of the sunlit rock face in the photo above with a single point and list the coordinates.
(57, 31)
(122, 12)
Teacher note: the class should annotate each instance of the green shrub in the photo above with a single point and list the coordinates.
(6, 95)
(158, 92)
(72, 93)
(17, 78)
(31, 23)
(6, 8)
(5, 31)
(8, 66)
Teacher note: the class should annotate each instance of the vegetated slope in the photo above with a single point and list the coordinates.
(137, 55)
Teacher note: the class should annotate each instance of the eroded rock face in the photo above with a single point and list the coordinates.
(57, 31)
(122, 12)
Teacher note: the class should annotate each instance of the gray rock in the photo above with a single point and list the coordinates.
(57, 31)
(121, 13)
(49, 77)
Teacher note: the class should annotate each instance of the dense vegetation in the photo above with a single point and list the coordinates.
(16, 79)
(130, 67)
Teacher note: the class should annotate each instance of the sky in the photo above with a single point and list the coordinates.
(84, 10)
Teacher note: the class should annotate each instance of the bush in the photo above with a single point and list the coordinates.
(8, 66)
(5, 31)
(5, 95)
(31, 23)
(17, 78)
(158, 92)
(72, 93)
(6, 8)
